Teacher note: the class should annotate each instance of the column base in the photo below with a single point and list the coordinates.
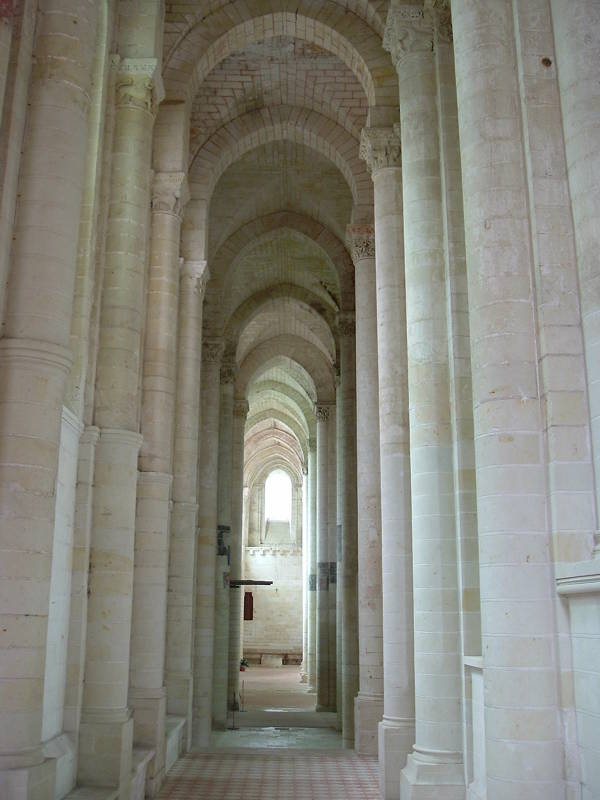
(201, 730)
(29, 783)
(105, 750)
(326, 709)
(396, 738)
(149, 716)
(180, 700)
(432, 776)
(368, 712)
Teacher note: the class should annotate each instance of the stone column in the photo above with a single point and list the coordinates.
(34, 361)
(312, 565)
(147, 692)
(434, 768)
(322, 637)
(577, 41)
(380, 147)
(106, 716)
(184, 514)
(240, 414)
(304, 667)
(349, 544)
(339, 497)
(368, 708)
(332, 456)
(523, 732)
(208, 463)
(222, 590)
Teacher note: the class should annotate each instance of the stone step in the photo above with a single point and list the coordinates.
(175, 746)
(92, 793)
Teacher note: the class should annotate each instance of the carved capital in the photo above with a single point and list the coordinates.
(170, 193)
(241, 409)
(380, 148)
(212, 350)
(139, 84)
(228, 371)
(441, 16)
(312, 443)
(347, 324)
(408, 31)
(322, 412)
(196, 274)
(362, 242)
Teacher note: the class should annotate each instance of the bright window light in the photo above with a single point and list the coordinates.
(278, 497)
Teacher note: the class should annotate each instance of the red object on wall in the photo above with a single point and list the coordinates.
(248, 607)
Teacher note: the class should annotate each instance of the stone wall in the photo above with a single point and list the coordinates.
(277, 624)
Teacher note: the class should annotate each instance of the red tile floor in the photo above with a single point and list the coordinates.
(267, 775)
(275, 763)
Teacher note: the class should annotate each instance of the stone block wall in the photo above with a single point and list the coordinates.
(277, 624)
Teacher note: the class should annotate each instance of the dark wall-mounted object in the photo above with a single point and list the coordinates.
(248, 607)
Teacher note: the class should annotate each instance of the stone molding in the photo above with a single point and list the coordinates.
(139, 84)
(157, 478)
(362, 242)
(36, 353)
(581, 577)
(170, 193)
(121, 436)
(241, 408)
(408, 31)
(212, 350)
(380, 148)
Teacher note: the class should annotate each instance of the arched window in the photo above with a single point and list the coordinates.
(278, 497)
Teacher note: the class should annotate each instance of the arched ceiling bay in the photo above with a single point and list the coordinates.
(279, 176)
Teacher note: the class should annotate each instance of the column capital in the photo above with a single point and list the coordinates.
(196, 272)
(361, 239)
(241, 408)
(212, 350)
(441, 16)
(228, 371)
(170, 193)
(322, 410)
(139, 84)
(408, 31)
(312, 443)
(380, 148)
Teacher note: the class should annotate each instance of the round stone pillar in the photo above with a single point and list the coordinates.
(322, 637)
(34, 360)
(435, 765)
(221, 700)
(332, 528)
(349, 541)
(105, 711)
(523, 729)
(184, 514)
(311, 557)
(240, 414)
(208, 465)
(147, 692)
(368, 707)
(380, 147)
(577, 40)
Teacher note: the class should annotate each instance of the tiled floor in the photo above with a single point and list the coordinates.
(268, 764)
(272, 775)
